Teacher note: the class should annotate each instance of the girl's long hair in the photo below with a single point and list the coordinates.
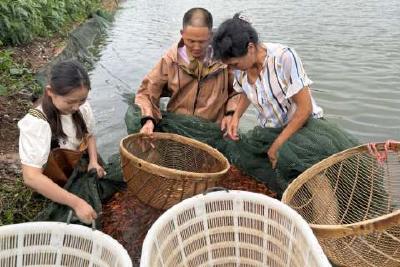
(65, 77)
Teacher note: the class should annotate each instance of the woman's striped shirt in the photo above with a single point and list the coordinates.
(282, 77)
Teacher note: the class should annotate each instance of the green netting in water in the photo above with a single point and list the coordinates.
(318, 139)
(81, 45)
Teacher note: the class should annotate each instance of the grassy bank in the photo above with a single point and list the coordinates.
(15, 76)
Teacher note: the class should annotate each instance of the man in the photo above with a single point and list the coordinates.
(195, 83)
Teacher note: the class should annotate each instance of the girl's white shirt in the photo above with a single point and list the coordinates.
(35, 136)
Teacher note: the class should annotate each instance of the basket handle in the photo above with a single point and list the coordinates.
(70, 213)
(215, 189)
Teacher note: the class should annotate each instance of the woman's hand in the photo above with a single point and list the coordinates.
(273, 154)
(303, 111)
(232, 128)
(225, 122)
(84, 211)
(147, 128)
(99, 169)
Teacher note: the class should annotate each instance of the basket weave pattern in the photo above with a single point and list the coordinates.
(234, 228)
(58, 244)
(352, 203)
(169, 168)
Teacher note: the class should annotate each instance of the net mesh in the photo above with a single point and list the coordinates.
(174, 154)
(82, 44)
(352, 188)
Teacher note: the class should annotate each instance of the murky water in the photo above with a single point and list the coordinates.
(350, 49)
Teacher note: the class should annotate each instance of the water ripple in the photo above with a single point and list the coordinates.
(350, 50)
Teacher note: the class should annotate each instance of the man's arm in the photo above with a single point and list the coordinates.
(150, 90)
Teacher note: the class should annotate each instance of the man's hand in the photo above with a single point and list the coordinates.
(147, 128)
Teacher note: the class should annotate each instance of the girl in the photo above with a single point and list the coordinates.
(55, 134)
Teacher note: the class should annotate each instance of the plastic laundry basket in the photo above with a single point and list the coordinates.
(234, 228)
(59, 244)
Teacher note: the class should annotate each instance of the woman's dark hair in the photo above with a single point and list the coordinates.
(65, 77)
(232, 38)
(198, 16)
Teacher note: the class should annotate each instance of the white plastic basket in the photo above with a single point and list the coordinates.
(59, 244)
(235, 228)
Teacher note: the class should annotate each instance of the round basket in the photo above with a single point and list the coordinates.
(235, 228)
(59, 244)
(168, 168)
(351, 201)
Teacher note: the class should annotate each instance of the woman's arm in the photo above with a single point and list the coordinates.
(35, 179)
(93, 160)
(243, 104)
(303, 111)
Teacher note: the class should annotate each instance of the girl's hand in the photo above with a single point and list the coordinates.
(95, 165)
(84, 211)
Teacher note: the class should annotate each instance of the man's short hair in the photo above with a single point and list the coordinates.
(198, 17)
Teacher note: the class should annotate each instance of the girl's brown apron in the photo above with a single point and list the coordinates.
(61, 162)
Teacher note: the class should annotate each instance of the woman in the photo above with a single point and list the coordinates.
(272, 78)
(55, 134)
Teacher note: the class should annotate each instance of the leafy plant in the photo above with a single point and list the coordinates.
(25, 204)
(14, 77)
(22, 20)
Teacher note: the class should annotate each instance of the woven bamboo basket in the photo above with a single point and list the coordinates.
(235, 228)
(168, 168)
(351, 201)
(59, 244)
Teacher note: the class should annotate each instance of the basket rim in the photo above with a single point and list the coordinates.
(64, 228)
(379, 223)
(170, 172)
(235, 196)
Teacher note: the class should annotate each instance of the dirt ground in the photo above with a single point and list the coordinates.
(12, 108)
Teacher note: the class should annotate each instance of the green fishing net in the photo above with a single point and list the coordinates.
(316, 140)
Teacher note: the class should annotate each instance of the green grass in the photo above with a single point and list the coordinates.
(18, 203)
(15, 77)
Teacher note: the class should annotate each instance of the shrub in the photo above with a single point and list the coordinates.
(22, 20)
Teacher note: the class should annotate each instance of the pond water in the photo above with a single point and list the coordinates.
(350, 49)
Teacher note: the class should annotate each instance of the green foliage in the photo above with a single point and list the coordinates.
(14, 77)
(18, 203)
(22, 20)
